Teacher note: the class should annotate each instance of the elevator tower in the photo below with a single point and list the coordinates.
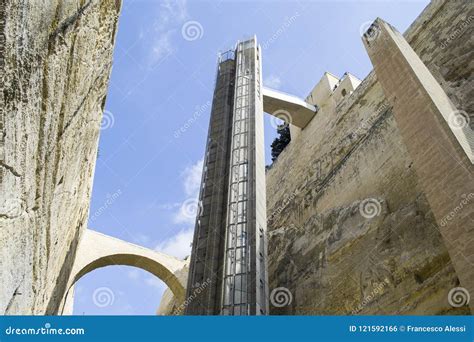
(228, 268)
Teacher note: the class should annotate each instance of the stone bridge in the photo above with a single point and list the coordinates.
(97, 250)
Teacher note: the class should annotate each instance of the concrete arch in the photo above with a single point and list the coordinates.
(98, 250)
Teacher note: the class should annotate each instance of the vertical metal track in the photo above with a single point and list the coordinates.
(237, 265)
(229, 246)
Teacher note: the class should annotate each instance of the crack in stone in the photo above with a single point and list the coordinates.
(69, 22)
(15, 293)
(10, 168)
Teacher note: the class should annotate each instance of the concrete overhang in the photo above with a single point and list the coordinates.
(288, 108)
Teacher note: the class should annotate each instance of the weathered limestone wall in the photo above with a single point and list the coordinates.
(57, 61)
(333, 259)
(442, 155)
(445, 46)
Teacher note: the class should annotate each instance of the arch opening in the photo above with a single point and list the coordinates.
(97, 250)
(117, 290)
(139, 261)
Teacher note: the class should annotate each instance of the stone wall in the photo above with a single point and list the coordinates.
(55, 67)
(350, 229)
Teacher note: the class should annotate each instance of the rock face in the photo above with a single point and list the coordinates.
(393, 263)
(55, 63)
(350, 229)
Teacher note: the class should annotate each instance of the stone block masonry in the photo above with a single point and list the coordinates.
(55, 64)
(353, 156)
(439, 145)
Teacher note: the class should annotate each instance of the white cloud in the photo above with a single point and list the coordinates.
(186, 213)
(162, 47)
(192, 179)
(272, 81)
(174, 10)
(133, 274)
(141, 239)
(191, 184)
(171, 15)
(178, 245)
(167, 206)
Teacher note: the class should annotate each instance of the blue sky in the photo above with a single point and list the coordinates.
(162, 77)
